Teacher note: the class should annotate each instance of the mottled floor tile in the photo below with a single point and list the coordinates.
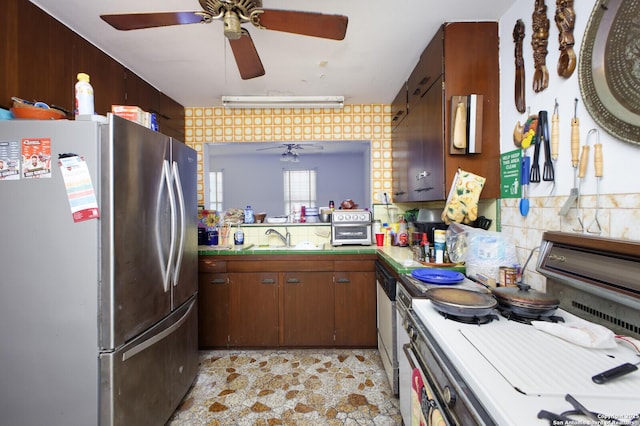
(289, 387)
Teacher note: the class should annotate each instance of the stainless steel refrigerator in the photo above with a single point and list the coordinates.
(98, 321)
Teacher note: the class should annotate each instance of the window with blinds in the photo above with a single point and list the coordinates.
(299, 189)
(215, 191)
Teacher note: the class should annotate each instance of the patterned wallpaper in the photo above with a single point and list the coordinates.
(353, 122)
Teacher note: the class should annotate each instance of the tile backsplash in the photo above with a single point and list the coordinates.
(353, 122)
(618, 215)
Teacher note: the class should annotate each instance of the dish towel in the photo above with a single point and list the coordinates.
(462, 202)
(578, 331)
(417, 417)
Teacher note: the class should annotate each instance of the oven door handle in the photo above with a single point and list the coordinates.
(407, 351)
(427, 404)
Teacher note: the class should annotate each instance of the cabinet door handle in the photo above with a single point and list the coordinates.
(424, 189)
(343, 280)
(218, 281)
(268, 281)
(293, 281)
(422, 175)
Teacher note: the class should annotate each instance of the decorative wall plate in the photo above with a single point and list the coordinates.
(609, 67)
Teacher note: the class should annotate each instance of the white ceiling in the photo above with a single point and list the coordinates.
(194, 65)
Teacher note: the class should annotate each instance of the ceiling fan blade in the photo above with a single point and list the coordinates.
(138, 21)
(247, 58)
(305, 23)
(279, 146)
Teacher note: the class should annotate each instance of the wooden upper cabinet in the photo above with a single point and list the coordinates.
(140, 93)
(476, 71)
(171, 117)
(41, 58)
(42, 62)
(427, 71)
(8, 51)
(399, 106)
(461, 59)
(107, 75)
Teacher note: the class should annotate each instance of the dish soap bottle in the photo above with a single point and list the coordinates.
(238, 236)
(248, 215)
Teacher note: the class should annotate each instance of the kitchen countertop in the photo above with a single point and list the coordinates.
(399, 258)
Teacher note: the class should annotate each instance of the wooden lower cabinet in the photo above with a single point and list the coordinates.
(253, 309)
(213, 309)
(258, 301)
(355, 309)
(308, 315)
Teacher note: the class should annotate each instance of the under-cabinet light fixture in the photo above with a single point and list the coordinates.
(283, 101)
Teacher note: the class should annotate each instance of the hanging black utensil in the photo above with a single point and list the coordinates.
(547, 172)
(534, 176)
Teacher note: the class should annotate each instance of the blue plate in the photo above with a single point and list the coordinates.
(437, 276)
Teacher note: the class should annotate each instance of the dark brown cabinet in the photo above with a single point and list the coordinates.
(41, 58)
(287, 300)
(461, 59)
(355, 304)
(213, 303)
(308, 315)
(253, 309)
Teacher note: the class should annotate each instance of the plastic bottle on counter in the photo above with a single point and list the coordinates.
(248, 215)
(377, 227)
(331, 205)
(424, 247)
(387, 234)
(439, 240)
(238, 236)
(84, 95)
(403, 232)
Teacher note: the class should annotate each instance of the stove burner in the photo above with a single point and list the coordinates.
(479, 320)
(580, 415)
(512, 316)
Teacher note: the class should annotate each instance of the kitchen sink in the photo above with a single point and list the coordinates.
(276, 247)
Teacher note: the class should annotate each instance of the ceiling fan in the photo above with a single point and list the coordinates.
(290, 153)
(233, 13)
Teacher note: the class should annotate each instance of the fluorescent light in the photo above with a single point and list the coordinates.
(283, 101)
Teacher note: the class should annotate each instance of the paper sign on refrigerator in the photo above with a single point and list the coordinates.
(80, 192)
(9, 160)
(36, 158)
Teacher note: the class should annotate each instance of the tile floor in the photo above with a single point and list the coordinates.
(289, 387)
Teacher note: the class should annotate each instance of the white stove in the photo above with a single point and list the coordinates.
(506, 372)
(516, 370)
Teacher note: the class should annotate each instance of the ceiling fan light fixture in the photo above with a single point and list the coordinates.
(232, 28)
(283, 101)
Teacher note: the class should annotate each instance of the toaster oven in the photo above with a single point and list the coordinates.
(351, 227)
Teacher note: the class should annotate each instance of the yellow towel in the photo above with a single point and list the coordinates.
(462, 203)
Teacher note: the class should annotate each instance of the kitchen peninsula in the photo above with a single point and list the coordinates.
(259, 297)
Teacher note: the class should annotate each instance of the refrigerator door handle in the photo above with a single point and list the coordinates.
(182, 218)
(166, 279)
(158, 337)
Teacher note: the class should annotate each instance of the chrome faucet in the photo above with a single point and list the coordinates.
(286, 239)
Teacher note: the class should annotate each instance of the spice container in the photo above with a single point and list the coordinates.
(439, 240)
